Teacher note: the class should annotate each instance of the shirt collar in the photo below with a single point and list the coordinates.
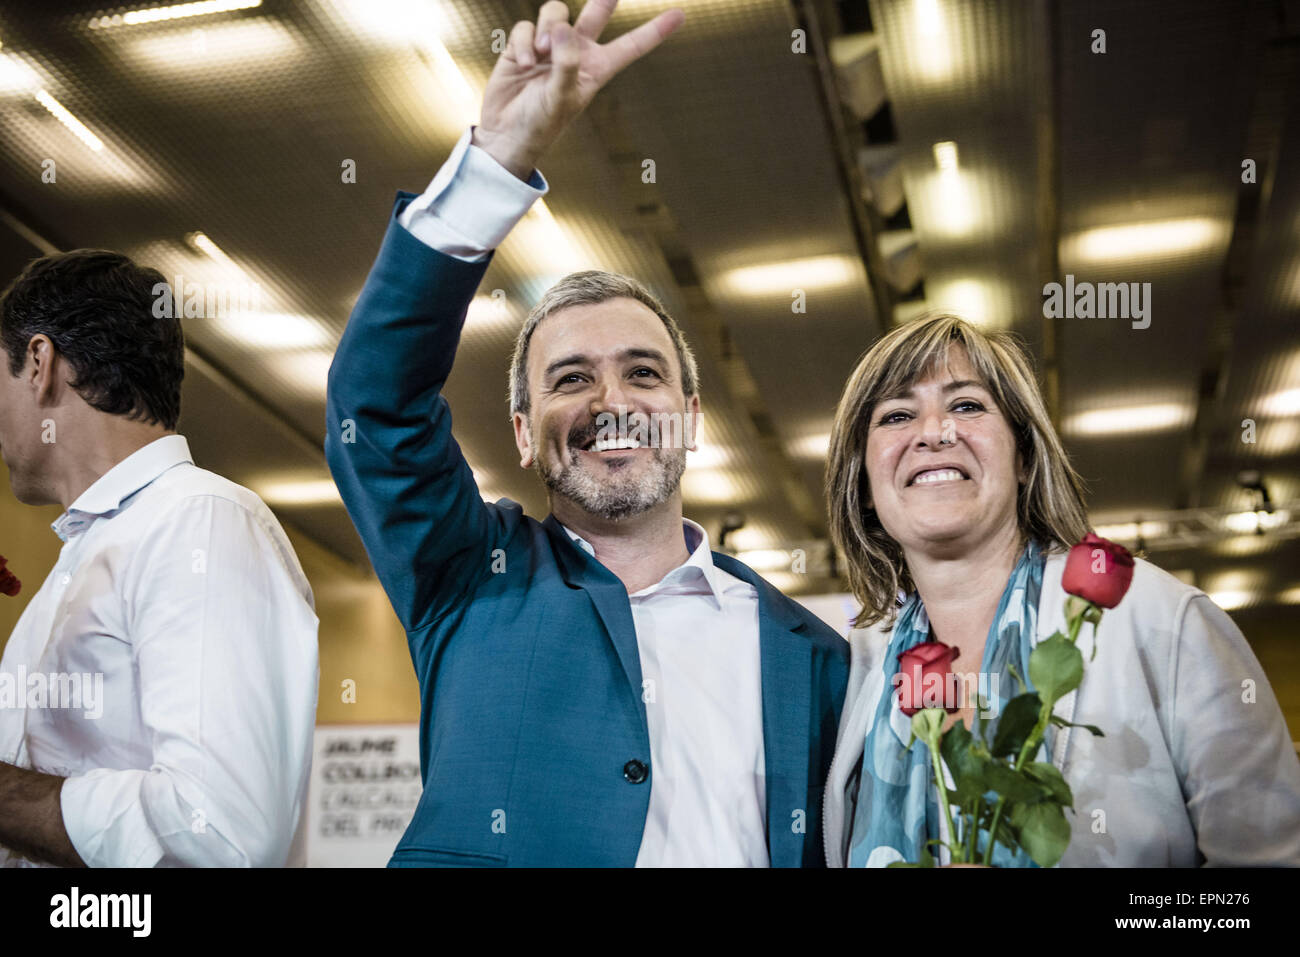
(698, 567)
(122, 481)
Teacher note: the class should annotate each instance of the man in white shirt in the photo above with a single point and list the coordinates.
(598, 689)
(158, 695)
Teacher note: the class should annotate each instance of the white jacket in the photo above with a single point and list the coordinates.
(1196, 766)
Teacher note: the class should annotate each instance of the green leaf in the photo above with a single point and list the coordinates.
(1007, 833)
(1016, 786)
(1055, 668)
(1048, 776)
(1014, 724)
(964, 764)
(1043, 831)
(1060, 722)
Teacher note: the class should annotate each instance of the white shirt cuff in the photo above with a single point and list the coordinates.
(471, 204)
(105, 819)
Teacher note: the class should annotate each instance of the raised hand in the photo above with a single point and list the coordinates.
(550, 71)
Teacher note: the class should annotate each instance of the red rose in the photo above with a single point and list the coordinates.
(1099, 571)
(924, 677)
(9, 583)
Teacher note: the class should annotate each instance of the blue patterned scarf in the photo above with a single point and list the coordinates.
(898, 805)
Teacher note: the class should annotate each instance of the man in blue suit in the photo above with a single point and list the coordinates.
(599, 688)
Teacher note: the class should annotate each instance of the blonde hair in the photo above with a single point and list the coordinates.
(1049, 504)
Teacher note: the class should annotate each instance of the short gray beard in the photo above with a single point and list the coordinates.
(623, 496)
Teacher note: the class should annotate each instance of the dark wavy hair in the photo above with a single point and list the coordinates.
(96, 307)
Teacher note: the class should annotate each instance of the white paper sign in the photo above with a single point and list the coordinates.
(365, 784)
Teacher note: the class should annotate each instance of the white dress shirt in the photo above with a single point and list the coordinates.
(697, 630)
(471, 205)
(701, 681)
(186, 735)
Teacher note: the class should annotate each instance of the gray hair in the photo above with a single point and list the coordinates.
(588, 288)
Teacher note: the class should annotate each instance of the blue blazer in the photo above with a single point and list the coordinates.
(524, 645)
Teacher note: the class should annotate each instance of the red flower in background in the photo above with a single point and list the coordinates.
(1099, 571)
(9, 583)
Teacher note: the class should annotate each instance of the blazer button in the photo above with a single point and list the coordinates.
(635, 772)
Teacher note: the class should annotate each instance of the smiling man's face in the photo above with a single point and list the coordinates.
(586, 365)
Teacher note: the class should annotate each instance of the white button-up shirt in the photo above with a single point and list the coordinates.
(701, 679)
(167, 668)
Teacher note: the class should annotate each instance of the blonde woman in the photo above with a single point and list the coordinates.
(953, 502)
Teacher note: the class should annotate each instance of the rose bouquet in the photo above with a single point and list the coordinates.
(999, 790)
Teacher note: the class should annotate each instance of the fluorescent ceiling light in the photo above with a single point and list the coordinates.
(487, 314)
(1129, 419)
(929, 20)
(289, 492)
(180, 11)
(945, 156)
(1244, 522)
(816, 447)
(193, 52)
(930, 54)
(1128, 531)
(1151, 240)
(976, 300)
(270, 330)
(1286, 402)
(16, 76)
(1242, 545)
(418, 25)
(205, 245)
(304, 372)
(815, 272)
(546, 246)
(1280, 437)
(393, 22)
(1229, 600)
(947, 205)
(766, 559)
(750, 538)
(787, 582)
(64, 116)
(708, 454)
(710, 487)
